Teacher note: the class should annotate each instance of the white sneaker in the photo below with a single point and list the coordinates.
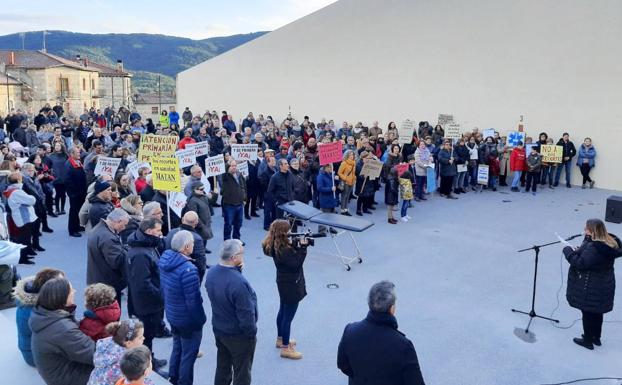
(409, 217)
(404, 219)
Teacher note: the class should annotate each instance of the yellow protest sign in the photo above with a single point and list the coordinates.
(551, 153)
(156, 145)
(165, 174)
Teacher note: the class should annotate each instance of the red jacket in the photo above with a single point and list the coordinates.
(518, 160)
(94, 322)
(182, 143)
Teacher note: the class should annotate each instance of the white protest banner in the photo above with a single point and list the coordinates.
(243, 168)
(215, 165)
(133, 168)
(462, 168)
(482, 174)
(107, 166)
(186, 157)
(488, 132)
(452, 131)
(177, 202)
(200, 148)
(444, 119)
(244, 151)
(405, 132)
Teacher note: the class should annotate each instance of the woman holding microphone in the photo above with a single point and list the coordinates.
(288, 258)
(591, 279)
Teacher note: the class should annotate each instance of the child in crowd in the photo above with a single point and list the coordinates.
(406, 192)
(102, 308)
(534, 163)
(135, 366)
(517, 164)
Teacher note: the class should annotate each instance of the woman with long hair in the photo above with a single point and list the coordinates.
(288, 258)
(591, 279)
(59, 157)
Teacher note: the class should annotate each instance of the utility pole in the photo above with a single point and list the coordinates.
(159, 94)
(112, 84)
(8, 100)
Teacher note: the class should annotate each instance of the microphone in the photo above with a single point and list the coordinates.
(573, 237)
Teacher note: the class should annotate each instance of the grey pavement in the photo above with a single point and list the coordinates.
(457, 274)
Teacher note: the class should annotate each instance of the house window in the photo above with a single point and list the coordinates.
(92, 84)
(63, 87)
(154, 111)
(83, 84)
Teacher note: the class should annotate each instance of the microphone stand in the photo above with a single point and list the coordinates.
(532, 313)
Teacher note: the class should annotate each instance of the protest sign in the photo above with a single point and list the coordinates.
(244, 151)
(462, 168)
(452, 131)
(200, 148)
(401, 168)
(243, 168)
(430, 179)
(330, 152)
(156, 145)
(107, 166)
(186, 158)
(488, 132)
(551, 153)
(177, 202)
(444, 119)
(133, 168)
(405, 132)
(372, 168)
(482, 174)
(215, 165)
(514, 137)
(166, 174)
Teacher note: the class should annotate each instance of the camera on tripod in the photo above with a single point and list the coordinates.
(308, 236)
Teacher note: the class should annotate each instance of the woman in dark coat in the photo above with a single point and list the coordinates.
(62, 353)
(290, 280)
(364, 187)
(591, 279)
(391, 194)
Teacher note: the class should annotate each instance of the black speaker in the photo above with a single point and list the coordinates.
(614, 209)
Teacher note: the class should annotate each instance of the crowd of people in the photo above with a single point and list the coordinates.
(159, 261)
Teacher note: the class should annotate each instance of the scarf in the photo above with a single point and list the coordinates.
(75, 163)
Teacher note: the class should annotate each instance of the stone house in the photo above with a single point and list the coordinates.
(150, 105)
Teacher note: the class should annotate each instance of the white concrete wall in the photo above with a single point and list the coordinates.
(485, 61)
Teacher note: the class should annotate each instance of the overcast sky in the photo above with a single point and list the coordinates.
(196, 19)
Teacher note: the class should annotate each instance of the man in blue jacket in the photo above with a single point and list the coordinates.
(234, 315)
(179, 283)
(173, 116)
(373, 351)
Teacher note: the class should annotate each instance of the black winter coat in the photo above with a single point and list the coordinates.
(300, 186)
(200, 205)
(591, 278)
(367, 190)
(391, 192)
(106, 258)
(281, 187)
(290, 276)
(75, 179)
(446, 168)
(252, 182)
(99, 210)
(374, 352)
(569, 150)
(143, 275)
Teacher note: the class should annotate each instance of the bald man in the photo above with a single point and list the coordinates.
(189, 222)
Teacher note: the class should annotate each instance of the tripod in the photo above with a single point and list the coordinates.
(532, 313)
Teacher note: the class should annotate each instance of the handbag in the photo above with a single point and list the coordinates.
(342, 185)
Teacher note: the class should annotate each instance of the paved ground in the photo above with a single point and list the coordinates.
(457, 275)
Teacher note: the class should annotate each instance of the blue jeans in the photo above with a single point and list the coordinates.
(405, 205)
(185, 350)
(472, 170)
(558, 173)
(420, 181)
(516, 178)
(284, 319)
(233, 220)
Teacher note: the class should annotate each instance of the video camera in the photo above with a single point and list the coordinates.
(308, 236)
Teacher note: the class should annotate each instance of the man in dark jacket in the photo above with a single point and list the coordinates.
(234, 315)
(179, 282)
(267, 168)
(100, 202)
(106, 254)
(75, 178)
(143, 278)
(568, 153)
(189, 222)
(373, 351)
(281, 187)
(233, 198)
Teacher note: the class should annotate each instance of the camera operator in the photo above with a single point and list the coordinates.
(289, 256)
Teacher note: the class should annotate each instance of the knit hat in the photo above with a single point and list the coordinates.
(196, 184)
(101, 186)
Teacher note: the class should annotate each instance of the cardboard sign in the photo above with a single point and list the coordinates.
(405, 132)
(401, 168)
(488, 132)
(215, 165)
(482, 174)
(133, 168)
(514, 137)
(243, 168)
(107, 166)
(551, 153)
(452, 131)
(186, 157)
(372, 168)
(430, 179)
(462, 168)
(244, 151)
(177, 201)
(166, 174)
(444, 119)
(200, 148)
(331, 152)
(156, 145)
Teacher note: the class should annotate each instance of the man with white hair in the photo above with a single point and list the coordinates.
(152, 210)
(106, 254)
(180, 287)
(373, 350)
(234, 315)
(189, 222)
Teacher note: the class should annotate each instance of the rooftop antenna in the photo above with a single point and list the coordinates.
(45, 33)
